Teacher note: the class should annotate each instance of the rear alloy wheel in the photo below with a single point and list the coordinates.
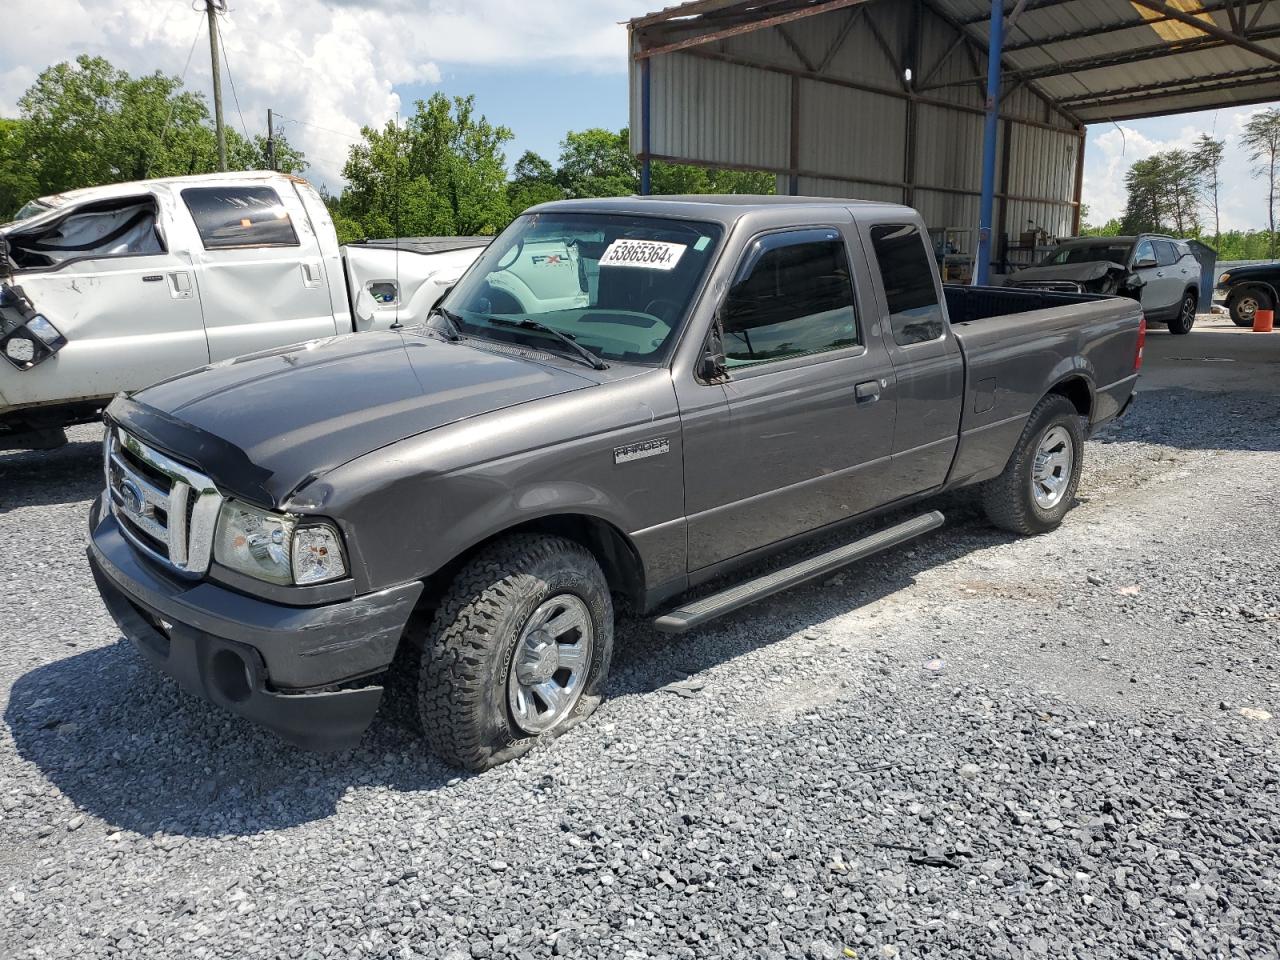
(1186, 318)
(1245, 306)
(1038, 484)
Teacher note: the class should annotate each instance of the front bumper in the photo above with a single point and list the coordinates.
(276, 665)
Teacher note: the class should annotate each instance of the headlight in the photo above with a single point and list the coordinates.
(273, 547)
(1224, 279)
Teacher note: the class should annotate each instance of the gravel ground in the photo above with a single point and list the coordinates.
(979, 747)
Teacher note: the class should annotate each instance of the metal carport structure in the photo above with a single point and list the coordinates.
(889, 99)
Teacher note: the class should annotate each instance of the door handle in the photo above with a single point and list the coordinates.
(1159, 273)
(867, 392)
(180, 285)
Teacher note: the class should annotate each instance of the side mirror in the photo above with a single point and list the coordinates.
(711, 367)
(1146, 263)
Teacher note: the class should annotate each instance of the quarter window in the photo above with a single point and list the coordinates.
(236, 216)
(793, 297)
(915, 316)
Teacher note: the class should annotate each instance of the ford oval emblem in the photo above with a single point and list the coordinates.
(131, 494)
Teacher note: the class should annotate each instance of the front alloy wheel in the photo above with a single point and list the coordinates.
(549, 668)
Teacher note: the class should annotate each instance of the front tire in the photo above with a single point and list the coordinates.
(1246, 304)
(1186, 318)
(518, 651)
(1038, 485)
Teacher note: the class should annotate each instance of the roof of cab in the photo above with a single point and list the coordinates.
(108, 190)
(724, 208)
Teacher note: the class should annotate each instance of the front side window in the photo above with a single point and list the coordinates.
(1145, 253)
(915, 316)
(238, 216)
(618, 285)
(793, 297)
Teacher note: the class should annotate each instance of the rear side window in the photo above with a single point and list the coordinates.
(915, 315)
(235, 216)
(793, 296)
(1166, 254)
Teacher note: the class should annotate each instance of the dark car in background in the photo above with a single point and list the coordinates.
(1160, 272)
(1243, 291)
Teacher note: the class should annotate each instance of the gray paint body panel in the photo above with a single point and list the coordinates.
(420, 449)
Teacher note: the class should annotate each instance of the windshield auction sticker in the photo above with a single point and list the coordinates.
(650, 254)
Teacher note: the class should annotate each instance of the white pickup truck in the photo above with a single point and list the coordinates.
(116, 287)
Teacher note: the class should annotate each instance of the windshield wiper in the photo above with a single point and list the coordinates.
(528, 324)
(453, 328)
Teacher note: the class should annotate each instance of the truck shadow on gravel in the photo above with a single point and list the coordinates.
(42, 478)
(123, 743)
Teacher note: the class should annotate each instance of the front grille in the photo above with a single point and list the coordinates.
(165, 508)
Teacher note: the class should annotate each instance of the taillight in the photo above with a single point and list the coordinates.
(1142, 340)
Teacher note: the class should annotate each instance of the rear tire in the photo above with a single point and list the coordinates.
(1186, 318)
(1018, 500)
(1247, 303)
(495, 659)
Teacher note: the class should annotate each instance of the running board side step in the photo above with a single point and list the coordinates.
(699, 612)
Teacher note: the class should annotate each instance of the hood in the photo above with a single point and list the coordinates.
(1253, 269)
(1078, 272)
(264, 424)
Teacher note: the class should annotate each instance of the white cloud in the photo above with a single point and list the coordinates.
(1113, 149)
(332, 65)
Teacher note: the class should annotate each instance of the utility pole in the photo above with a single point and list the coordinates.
(213, 8)
(271, 141)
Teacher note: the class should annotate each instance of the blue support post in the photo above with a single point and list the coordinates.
(995, 53)
(644, 127)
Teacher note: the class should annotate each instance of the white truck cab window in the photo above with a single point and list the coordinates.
(239, 216)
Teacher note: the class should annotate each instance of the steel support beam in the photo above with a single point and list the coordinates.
(748, 27)
(1211, 28)
(646, 164)
(995, 55)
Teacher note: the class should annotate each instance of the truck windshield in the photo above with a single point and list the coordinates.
(618, 285)
(1111, 252)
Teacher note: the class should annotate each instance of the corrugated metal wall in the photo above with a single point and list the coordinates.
(731, 103)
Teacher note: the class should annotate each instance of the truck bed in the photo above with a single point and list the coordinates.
(1015, 342)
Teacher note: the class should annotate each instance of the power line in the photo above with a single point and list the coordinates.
(307, 123)
(234, 96)
(182, 81)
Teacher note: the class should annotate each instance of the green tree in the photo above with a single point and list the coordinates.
(533, 181)
(1145, 208)
(1208, 153)
(598, 163)
(1261, 139)
(88, 123)
(18, 182)
(442, 172)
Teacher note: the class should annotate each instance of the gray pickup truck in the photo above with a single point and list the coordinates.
(621, 401)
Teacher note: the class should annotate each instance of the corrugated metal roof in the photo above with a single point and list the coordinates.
(1096, 60)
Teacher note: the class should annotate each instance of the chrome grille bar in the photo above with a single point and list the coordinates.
(174, 526)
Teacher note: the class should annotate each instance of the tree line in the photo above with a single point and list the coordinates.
(441, 172)
(1178, 191)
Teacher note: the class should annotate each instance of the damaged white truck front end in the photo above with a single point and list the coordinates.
(113, 288)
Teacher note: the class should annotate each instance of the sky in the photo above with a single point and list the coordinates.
(329, 66)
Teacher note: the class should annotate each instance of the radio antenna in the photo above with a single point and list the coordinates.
(396, 226)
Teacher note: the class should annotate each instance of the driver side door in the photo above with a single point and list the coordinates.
(798, 433)
(1160, 290)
